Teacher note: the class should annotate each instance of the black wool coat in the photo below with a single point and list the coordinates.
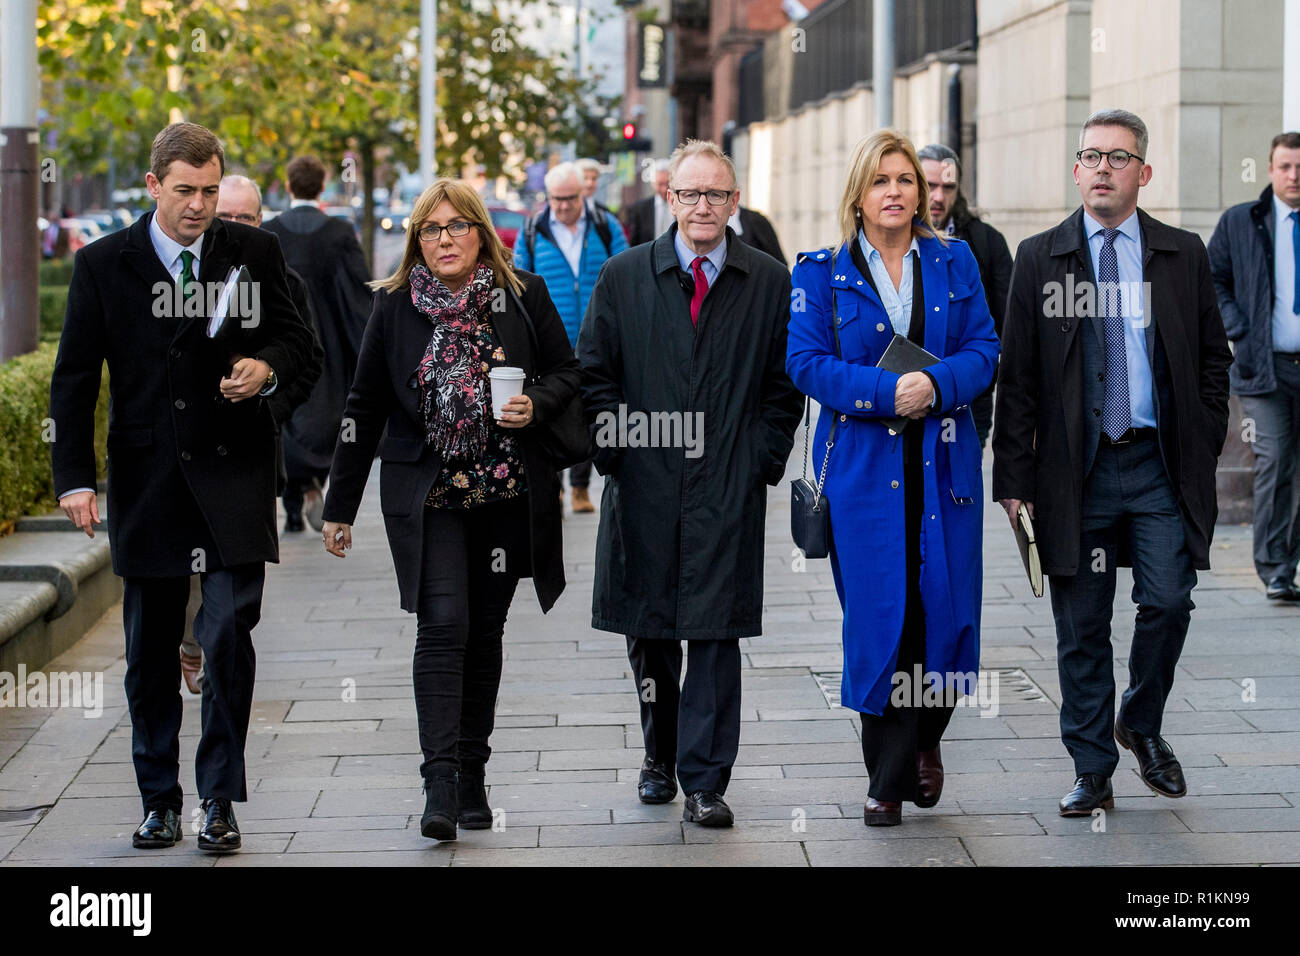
(1047, 423)
(325, 251)
(191, 476)
(679, 552)
(383, 414)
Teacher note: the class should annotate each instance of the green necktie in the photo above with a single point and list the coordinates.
(189, 285)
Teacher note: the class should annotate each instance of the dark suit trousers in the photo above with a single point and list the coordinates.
(153, 613)
(1127, 497)
(1277, 479)
(697, 724)
(891, 741)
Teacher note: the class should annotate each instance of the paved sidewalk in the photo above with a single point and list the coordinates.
(333, 754)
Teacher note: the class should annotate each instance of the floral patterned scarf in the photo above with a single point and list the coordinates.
(454, 398)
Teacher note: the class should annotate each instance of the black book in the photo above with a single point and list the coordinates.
(903, 356)
(1024, 527)
(238, 306)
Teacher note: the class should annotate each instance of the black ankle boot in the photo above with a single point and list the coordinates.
(475, 814)
(439, 819)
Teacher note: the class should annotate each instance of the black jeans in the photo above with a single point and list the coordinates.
(472, 561)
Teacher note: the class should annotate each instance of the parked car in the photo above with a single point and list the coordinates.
(507, 220)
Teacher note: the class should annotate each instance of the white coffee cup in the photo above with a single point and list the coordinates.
(507, 382)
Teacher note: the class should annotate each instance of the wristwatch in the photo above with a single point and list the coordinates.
(270, 382)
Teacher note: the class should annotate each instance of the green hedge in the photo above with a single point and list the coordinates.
(26, 483)
(57, 272)
(54, 303)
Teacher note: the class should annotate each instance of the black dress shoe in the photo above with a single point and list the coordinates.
(1282, 589)
(473, 812)
(1157, 765)
(293, 523)
(440, 807)
(161, 828)
(656, 784)
(220, 832)
(708, 809)
(1091, 791)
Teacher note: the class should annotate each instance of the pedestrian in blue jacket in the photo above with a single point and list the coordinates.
(906, 503)
(566, 244)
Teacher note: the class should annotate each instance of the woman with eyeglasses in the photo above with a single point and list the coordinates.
(470, 504)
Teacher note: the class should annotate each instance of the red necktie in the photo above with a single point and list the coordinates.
(701, 289)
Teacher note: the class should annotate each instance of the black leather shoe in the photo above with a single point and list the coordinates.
(473, 812)
(161, 828)
(440, 807)
(656, 784)
(1091, 791)
(1157, 765)
(1282, 589)
(293, 523)
(220, 833)
(708, 809)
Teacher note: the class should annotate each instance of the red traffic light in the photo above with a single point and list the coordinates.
(629, 130)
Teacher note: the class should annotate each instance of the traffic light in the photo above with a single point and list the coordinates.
(633, 142)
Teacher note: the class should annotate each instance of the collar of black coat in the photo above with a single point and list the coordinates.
(215, 256)
(739, 254)
(1156, 236)
(1260, 210)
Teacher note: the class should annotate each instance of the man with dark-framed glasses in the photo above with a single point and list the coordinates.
(1112, 408)
(693, 415)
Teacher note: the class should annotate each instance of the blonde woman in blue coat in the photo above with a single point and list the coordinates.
(906, 506)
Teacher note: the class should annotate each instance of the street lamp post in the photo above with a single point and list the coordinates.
(19, 184)
(428, 88)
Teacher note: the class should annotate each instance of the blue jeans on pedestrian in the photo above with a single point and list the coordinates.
(1127, 500)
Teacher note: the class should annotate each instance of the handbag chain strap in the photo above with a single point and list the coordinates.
(830, 437)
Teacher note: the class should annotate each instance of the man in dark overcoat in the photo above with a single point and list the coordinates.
(1112, 408)
(192, 465)
(692, 416)
(325, 252)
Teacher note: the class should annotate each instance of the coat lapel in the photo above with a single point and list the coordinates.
(1156, 238)
(1069, 244)
(935, 292)
(138, 254)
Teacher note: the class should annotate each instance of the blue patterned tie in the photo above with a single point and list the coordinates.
(1295, 251)
(1116, 416)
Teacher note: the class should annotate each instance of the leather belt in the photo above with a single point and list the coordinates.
(1293, 357)
(1130, 436)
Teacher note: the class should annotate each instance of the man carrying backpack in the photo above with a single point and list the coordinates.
(566, 244)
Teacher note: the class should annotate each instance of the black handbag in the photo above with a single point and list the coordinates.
(564, 440)
(810, 511)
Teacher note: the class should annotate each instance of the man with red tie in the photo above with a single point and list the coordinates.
(692, 416)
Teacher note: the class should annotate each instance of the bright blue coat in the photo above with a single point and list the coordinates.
(864, 482)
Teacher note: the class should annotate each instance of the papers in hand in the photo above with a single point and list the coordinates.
(1024, 527)
(903, 356)
(237, 306)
